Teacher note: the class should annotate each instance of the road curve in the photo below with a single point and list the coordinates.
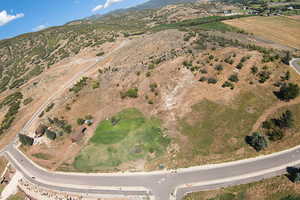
(163, 185)
(295, 63)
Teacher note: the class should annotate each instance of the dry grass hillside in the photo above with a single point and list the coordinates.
(199, 90)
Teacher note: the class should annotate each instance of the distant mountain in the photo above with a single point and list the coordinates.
(151, 4)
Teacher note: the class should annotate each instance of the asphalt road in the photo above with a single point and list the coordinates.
(160, 184)
(295, 64)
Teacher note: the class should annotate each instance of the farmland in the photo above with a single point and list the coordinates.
(280, 29)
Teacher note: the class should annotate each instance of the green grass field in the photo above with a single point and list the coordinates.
(128, 136)
(210, 126)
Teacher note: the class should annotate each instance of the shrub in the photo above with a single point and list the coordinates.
(263, 76)
(49, 107)
(254, 70)
(287, 57)
(203, 71)
(212, 81)
(228, 84)
(219, 68)
(240, 66)
(132, 93)
(275, 134)
(202, 79)
(95, 84)
(234, 78)
(50, 134)
(79, 85)
(286, 76)
(80, 121)
(153, 86)
(100, 54)
(257, 141)
(27, 101)
(26, 140)
(288, 92)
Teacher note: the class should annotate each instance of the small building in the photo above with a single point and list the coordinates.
(40, 131)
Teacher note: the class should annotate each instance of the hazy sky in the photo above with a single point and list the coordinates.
(21, 16)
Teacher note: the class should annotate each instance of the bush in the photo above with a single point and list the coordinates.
(219, 68)
(202, 79)
(203, 71)
(228, 84)
(100, 54)
(275, 134)
(240, 66)
(49, 107)
(287, 57)
(257, 141)
(132, 93)
(153, 86)
(234, 78)
(50, 134)
(26, 140)
(27, 101)
(254, 70)
(288, 92)
(80, 121)
(79, 85)
(286, 76)
(212, 81)
(263, 76)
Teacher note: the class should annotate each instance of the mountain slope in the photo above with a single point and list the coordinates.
(151, 4)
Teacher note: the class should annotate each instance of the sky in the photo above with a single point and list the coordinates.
(22, 16)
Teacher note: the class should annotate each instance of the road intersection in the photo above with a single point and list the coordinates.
(160, 185)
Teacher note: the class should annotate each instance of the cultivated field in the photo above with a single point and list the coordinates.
(283, 30)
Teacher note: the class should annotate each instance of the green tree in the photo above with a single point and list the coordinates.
(287, 57)
(80, 121)
(26, 140)
(257, 141)
(234, 78)
(288, 92)
(50, 134)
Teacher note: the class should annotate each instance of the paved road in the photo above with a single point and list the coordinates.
(295, 64)
(162, 185)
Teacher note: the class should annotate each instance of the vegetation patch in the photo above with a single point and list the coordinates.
(127, 136)
(277, 188)
(211, 123)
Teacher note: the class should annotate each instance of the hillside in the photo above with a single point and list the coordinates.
(144, 90)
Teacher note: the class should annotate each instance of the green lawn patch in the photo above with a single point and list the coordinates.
(127, 136)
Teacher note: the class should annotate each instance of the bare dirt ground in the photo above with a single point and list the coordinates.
(297, 17)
